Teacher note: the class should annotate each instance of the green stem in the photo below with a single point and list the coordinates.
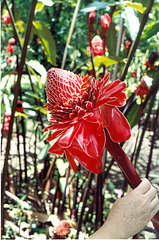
(137, 40)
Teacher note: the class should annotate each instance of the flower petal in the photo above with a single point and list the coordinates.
(115, 123)
(71, 160)
(111, 90)
(66, 139)
(91, 138)
(56, 149)
(91, 163)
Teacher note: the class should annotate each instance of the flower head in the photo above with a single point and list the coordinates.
(19, 106)
(97, 46)
(142, 90)
(11, 41)
(128, 45)
(7, 118)
(91, 19)
(134, 73)
(81, 108)
(6, 18)
(9, 59)
(62, 230)
(105, 21)
(10, 48)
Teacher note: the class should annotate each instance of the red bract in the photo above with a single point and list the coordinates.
(97, 46)
(6, 18)
(80, 109)
(105, 21)
(10, 48)
(91, 20)
(128, 45)
(151, 66)
(142, 90)
(6, 122)
(19, 106)
(134, 73)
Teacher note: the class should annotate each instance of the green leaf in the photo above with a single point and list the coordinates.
(39, 7)
(32, 94)
(107, 61)
(94, 6)
(61, 166)
(150, 30)
(44, 151)
(47, 40)
(111, 39)
(137, 6)
(39, 68)
(20, 25)
(39, 108)
(133, 115)
(131, 22)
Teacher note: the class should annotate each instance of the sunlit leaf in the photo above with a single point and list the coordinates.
(131, 22)
(41, 109)
(39, 68)
(20, 25)
(137, 6)
(48, 3)
(39, 7)
(19, 114)
(107, 61)
(47, 40)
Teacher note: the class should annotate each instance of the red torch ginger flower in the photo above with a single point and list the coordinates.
(6, 122)
(81, 108)
(62, 230)
(9, 59)
(105, 21)
(142, 90)
(97, 46)
(6, 18)
(10, 48)
(11, 41)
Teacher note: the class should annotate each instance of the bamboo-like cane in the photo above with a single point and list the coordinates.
(128, 169)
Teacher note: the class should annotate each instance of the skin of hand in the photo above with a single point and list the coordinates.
(130, 214)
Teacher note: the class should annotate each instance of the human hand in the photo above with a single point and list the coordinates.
(130, 214)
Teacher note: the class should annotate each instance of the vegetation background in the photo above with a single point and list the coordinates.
(42, 198)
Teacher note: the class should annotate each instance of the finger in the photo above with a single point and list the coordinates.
(144, 186)
(154, 203)
(151, 193)
(154, 211)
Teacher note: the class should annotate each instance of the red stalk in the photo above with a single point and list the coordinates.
(128, 169)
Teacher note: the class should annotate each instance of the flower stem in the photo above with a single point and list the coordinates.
(128, 169)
